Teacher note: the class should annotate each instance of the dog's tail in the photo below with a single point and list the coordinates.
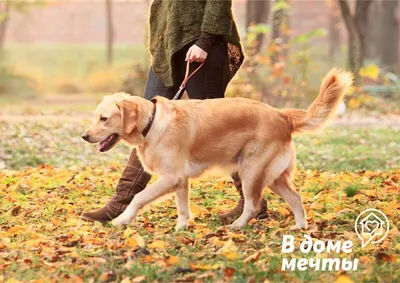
(333, 88)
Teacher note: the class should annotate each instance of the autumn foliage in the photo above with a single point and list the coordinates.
(42, 238)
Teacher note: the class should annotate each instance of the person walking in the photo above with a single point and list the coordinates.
(181, 31)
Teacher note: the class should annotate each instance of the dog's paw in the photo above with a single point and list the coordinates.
(235, 225)
(181, 226)
(120, 221)
(299, 227)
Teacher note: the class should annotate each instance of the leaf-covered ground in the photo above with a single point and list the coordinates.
(43, 239)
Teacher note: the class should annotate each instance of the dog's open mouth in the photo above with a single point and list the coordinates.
(108, 143)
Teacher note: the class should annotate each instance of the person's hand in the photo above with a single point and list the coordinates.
(196, 54)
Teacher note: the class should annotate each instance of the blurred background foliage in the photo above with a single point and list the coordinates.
(281, 68)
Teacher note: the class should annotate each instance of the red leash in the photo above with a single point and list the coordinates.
(179, 94)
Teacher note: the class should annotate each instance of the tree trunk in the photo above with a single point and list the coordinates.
(373, 31)
(334, 33)
(110, 32)
(280, 22)
(257, 12)
(389, 36)
(5, 13)
(356, 26)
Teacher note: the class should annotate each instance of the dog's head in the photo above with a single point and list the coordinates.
(116, 119)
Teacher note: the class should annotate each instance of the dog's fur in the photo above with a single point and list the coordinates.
(188, 137)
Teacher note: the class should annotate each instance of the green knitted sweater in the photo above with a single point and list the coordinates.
(177, 23)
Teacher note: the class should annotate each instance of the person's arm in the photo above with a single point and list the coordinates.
(207, 40)
(217, 22)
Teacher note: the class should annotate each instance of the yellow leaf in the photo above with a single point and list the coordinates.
(370, 71)
(126, 280)
(140, 241)
(128, 232)
(237, 236)
(282, 210)
(131, 243)
(328, 216)
(206, 266)
(196, 210)
(148, 258)
(354, 103)
(316, 205)
(216, 242)
(229, 250)
(173, 260)
(157, 244)
(55, 222)
(15, 230)
(231, 255)
(370, 193)
(343, 279)
(139, 278)
(33, 243)
(72, 222)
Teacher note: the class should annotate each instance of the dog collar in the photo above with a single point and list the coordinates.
(151, 120)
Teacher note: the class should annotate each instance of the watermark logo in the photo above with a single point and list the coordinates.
(372, 226)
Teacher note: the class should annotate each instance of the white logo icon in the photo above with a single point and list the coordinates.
(372, 226)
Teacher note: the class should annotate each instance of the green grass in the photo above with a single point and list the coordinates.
(58, 142)
(344, 148)
(56, 139)
(352, 189)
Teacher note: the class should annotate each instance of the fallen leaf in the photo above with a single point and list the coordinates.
(343, 279)
(206, 266)
(252, 258)
(229, 272)
(173, 260)
(158, 244)
(139, 279)
(384, 257)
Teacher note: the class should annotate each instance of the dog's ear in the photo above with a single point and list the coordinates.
(129, 114)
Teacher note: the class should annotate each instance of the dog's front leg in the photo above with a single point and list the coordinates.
(182, 204)
(162, 186)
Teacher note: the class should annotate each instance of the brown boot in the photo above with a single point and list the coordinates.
(230, 216)
(133, 180)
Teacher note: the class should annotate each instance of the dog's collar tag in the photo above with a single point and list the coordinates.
(151, 120)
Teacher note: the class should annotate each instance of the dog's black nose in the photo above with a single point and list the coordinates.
(85, 137)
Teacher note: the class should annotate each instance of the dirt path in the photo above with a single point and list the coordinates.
(26, 111)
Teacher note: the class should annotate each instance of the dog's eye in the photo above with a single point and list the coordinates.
(103, 119)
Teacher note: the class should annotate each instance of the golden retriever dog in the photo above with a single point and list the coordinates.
(178, 140)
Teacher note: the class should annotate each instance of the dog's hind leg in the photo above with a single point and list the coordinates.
(182, 204)
(159, 188)
(283, 186)
(252, 192)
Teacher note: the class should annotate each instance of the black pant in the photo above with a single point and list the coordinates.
(208, 82)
